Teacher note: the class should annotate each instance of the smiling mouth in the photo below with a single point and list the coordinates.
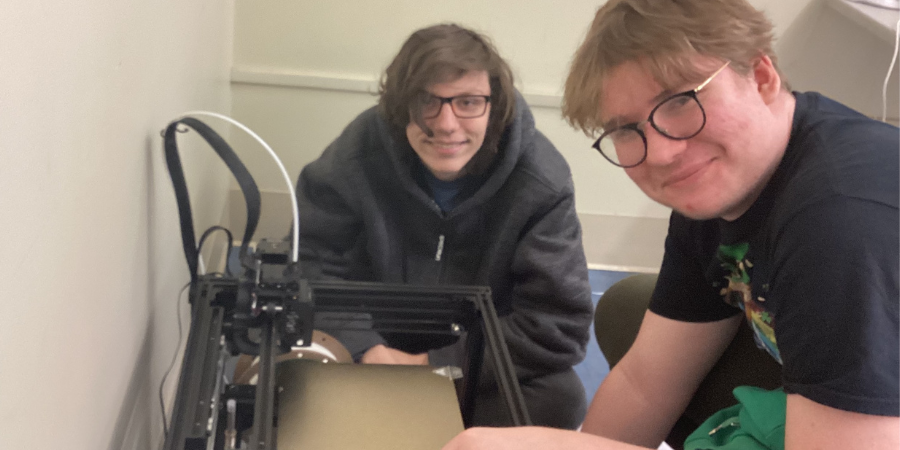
(685, 176)
(446, 144)
(447, 148)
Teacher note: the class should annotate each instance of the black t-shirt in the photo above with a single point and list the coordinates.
(813, 263)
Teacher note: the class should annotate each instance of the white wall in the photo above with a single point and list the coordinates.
(833, 49)
(92, 261)
(91, 258)
(355, 40)
(303, 70)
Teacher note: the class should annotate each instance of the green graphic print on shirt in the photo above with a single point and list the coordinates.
(739, 293)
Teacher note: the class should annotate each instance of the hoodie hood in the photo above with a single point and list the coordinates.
(509, 151)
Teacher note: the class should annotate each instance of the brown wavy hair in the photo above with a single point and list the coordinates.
(440, 54)
(662, 35)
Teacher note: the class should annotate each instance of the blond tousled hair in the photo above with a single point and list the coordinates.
(663, 36)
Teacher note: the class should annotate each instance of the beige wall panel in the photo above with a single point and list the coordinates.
(826, 51)
(286, 52)
(600, 187)
(92, 259)
(297, 123)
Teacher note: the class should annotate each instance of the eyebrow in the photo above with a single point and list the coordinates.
(611, 123)
(666, 93)
(620, 120)
(474, 91)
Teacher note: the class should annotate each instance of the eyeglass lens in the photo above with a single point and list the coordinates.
(464, 106)
(679, 117)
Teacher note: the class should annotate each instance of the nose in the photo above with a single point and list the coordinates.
(661, 150)
(446, 121)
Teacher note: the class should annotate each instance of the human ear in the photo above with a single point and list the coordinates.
(768, 81)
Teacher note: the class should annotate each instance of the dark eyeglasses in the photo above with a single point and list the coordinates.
(678, 117)
(463, 106)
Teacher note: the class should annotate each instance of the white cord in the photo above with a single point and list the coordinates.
(162, 383)
(296, 213)
(888, 76)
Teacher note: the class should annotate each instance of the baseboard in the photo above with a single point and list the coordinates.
(623, 244)
(626, 244)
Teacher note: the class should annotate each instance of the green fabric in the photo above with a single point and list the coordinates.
(756, 422)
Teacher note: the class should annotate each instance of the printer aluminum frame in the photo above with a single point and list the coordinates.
(273, 300)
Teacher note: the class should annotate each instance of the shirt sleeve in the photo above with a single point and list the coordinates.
(688, 287)
(836, 317)
(331, 244)
(550, 313)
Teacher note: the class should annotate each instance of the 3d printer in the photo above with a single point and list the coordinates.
(268, 309)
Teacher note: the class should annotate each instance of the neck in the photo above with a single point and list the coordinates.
(783, 110)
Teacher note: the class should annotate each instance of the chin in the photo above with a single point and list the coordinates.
(697, 210)
(446, 173)
(697, 215)
(711, 211)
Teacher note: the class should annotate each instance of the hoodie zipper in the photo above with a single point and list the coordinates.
(439, 252)
(440, 248)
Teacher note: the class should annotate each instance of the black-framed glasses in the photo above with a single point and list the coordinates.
(463, 106)
(678, 117)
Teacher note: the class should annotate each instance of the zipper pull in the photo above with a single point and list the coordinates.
(440, 248)
(729, 423)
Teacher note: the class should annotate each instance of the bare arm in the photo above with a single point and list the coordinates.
(531, 438)
(644, 394)
(811, 425)
(381, 354)
(639, 400)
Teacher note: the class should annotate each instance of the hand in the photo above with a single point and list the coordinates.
(380, 354)
(484, 439)
(527, 438)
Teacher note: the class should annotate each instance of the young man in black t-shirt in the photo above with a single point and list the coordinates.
(785, 215)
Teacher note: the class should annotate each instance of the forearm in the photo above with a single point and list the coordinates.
(544, 342)
(648, 390)
(624, 412)
(380, 354)
(532, 438)
(546, 309)
(350, 329)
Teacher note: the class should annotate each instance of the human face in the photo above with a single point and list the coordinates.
(454, 141)
(720, 171)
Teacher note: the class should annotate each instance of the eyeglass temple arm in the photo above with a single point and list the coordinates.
(712, 76)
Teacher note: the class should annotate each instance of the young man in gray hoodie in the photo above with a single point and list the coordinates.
(447, 181)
